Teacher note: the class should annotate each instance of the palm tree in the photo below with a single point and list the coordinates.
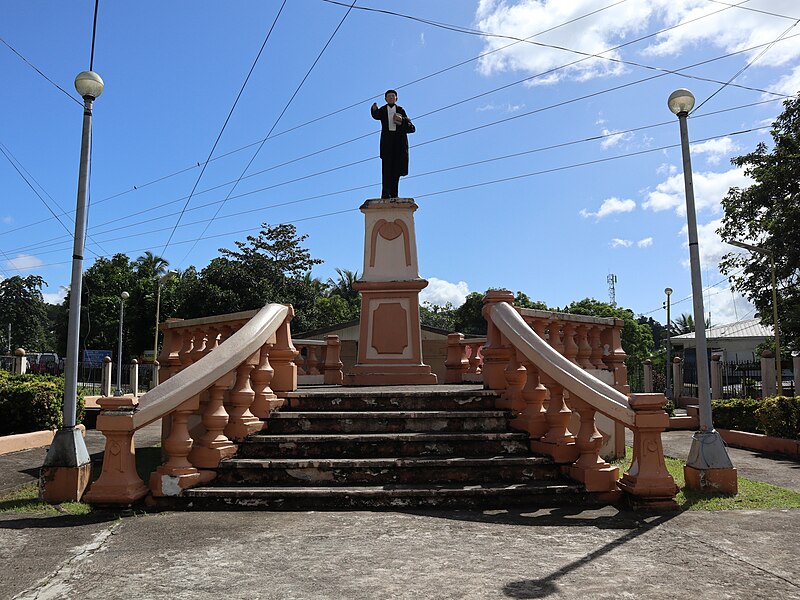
(151, 265)
(343, 286)
(685, 324)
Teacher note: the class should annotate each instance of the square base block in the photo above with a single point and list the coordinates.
(715, 481)
(64, 484)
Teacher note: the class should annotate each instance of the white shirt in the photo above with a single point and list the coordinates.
(392, 110)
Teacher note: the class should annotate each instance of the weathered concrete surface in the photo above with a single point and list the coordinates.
(595, 554)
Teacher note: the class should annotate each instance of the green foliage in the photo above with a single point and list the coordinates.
(21, 304)
(780, 417)
(32, 403)
(736, 413)
(434, 315)
(468, 319)
(766, 214)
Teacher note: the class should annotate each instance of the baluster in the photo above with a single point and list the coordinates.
(265, 399)
(300, 360)
(333, 362)
(596, 343)
(474, 359)
(312, 361)
(184, 354)
(570, 347)
(283, 356)
(242, 422)
(554, 339)
(616, 356)
(198, 345)
(533, 418)
(456, 363)
(590, 469)
(511, 398)
(584, 348)
(558, 441)
(168, 360)
(177, 473)
(213, 446)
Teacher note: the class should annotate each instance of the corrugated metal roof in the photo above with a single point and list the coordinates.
(751, 328)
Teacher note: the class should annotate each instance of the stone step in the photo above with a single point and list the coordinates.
(387, 421)
(382, 445)
(341, 399)
(488, 495)
(374, 471)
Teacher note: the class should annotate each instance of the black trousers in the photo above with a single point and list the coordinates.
(390, 178)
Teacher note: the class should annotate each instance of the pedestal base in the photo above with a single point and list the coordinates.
(715, 481)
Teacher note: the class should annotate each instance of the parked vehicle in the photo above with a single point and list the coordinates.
(44, 362)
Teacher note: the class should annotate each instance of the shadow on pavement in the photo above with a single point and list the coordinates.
(547, 586)
(57, 521)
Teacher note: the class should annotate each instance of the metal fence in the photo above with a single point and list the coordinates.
(740, 379)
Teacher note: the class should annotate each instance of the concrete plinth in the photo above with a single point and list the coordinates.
(67, 469)
(716, 481)
(390, 340)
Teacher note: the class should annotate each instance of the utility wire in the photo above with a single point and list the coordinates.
(224, 125)
(747, 66)
(94, 34)
(757, 10)
(461, 188)
(441, 71)
(274, 125)
(35, 68)
(151, 219)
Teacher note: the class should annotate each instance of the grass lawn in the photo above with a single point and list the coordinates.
(752, 494)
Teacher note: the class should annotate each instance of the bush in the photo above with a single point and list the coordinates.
(32, 403)
(737, 413)
(780, 417)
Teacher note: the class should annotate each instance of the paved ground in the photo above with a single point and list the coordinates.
(594, 554)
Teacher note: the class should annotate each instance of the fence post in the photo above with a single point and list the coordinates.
(677, 379)
(20, 362)
(332, 367)
(105, 377)
(648, 376)
(795, 371)
(154, 380)
(135, 378)
(767, 374)
(716, 377)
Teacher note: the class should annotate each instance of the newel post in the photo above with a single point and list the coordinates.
(677, 379)
(119, 483)
(768, 387)
(105, 377)
(20, 362)
(716, 377)
(648, 376)
(647, 479)
(134, 377)
(332, 367)
(282, 357)
(495, 354)
(456, 362)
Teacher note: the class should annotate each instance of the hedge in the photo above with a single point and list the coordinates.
(776, 417)
(32, 403)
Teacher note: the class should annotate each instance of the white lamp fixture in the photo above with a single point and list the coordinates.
(89, 84)
(681, 101)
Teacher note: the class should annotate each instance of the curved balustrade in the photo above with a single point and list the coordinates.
(544, 382)
(220, 377)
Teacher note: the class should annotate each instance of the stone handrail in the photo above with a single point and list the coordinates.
(542, 388)
(464, 361)
(223, 382)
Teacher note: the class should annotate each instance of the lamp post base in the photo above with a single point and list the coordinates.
(708, 467)
(67, 468)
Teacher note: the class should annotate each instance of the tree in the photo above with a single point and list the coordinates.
(441, 317)
(685, 324)
(21, 304)
(469, 319)
(766, 214)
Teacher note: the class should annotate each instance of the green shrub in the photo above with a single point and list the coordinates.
(780, 417)
(32, 403)
(737, 413)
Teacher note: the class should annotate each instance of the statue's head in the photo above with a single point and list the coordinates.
(390, 96)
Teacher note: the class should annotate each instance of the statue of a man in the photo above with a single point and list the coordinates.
(395, 125)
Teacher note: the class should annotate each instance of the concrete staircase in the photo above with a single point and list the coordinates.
(372, 448)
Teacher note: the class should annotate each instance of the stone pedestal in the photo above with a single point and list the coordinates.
(390, 340)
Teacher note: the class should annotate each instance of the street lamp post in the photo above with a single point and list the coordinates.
(775, 324)
(161, 281)
(67, 467)
(668, 292)
(122, 297)
(708, 450)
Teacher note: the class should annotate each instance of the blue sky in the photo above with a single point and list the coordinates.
(541, 221)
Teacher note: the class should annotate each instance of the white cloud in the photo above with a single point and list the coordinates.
(610, 206)
(645, 243)
(666, 169)
(422, 38)
(507, 107)
(613, 138)
(23, 262)
(709, 190)
(715, 149)
(56, 297)
(789, 84)
(8, 219)
(619, 243)
(440, 292)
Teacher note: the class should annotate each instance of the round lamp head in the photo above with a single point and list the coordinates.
(668, 291)
(124, 295)
(89, 84)
(681, 101)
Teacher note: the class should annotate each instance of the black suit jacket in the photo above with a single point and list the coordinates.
(394, 145)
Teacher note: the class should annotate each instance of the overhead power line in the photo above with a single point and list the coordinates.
(35, 68)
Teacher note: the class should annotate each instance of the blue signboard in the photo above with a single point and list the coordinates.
(94, 358)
